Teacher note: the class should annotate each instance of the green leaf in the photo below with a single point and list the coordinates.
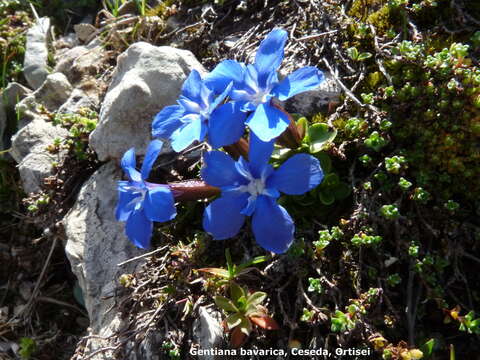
(326, 197)
(216, 271)
(352, 53)
(242, 303)
(252, 310)
(27, 347)
(330, 181)
(374, 79)
(256, 298)
(307, 199)
(258, 259)
(318, 135)
(364, 56)
(236, 292)
(302, 126)
(255, 260)
(245, 326)
(280, 153)
(427, 348)
(325, 162)
(342, 191)
(230, 266)
(225, 304)
(234, 320)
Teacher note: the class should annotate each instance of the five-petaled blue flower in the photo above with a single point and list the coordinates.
(252, 188)
(141, 202)
(198, 113)
(255, 85)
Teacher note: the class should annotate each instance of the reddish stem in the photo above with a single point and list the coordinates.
(291, 137)
(192, 190)
(240, 148)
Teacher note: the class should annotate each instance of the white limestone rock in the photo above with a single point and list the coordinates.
(147, 78)
(36, 53)
(96, 244)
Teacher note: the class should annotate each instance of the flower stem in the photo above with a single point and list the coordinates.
(192, 190)
(240, 148)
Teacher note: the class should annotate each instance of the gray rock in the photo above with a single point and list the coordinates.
(79, 99)
(67, 41)
(35, 167)
(14, 93)
(66, 57)
(81, 61)
(146, 79)
(36, 133)
(84, 31)
(207, 331)
(27, 109)
(35, 136)
(52, 94)
(311, 102)
(29, 150)
(36, 53)
(54, 91)
(11, 95)
(96, 244)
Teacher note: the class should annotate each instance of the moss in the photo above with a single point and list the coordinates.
(362, 9)
(379, 13)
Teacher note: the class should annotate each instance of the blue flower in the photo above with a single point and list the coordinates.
(252, 188)
(198, 113)
(255, 85)
(141, 202)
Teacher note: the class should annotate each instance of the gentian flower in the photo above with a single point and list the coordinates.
(254, 86)
(198, 113)
(141, 202)
(252, 188)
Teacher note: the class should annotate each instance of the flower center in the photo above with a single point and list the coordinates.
(261, 97)
(205, 115)
(256, 187)
(142, 191)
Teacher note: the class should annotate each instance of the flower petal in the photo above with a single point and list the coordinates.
(189, 106)
(270, 54)
(125, 204)
(304, 79)
(129, 163)
(250, 207)
(186, 135)
(219, 99)
(223, 74)
(222, 218)
(246, 106)
(220, 170)
(153, 150)
(139, 229)
(192, 86)
(297, 175)
(259, 154)
(272, 225)
(226, 125)
(167, 121)
(159, 204)
(268, 122)
(250, 81)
